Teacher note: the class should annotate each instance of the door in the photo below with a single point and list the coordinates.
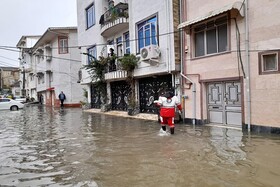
(150, 89)
(96, 99)
(119, 91)
(224, 103)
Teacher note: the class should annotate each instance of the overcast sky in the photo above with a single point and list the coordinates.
(31, 17)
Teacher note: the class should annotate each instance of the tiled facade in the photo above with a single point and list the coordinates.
(259, 89)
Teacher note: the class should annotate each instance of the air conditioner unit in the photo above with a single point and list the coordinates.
(150, 52)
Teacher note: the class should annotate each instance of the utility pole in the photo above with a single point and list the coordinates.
(23, 82)
(1, 79)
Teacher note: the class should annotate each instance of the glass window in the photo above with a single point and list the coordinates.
(211, 37)
(269, 62)
(199, 44)
(90, 13)
(91, 54)
(51, 77)
(147, 33)
(62, 45)
(127, 43)
(119, 46)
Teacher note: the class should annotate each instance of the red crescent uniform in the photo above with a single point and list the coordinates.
(167, 109)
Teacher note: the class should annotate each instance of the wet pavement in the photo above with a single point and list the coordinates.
(42, 146)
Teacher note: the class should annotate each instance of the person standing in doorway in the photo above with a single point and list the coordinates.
(41, 98)
(61, 97)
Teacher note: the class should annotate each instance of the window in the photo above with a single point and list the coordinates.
(43, 78)
(90, 15)
(91, 54)
(51, 76)
(119, 46)
(62, 45)
(147, 32)
(269, 62)
(80, 75)
(126, 43)
(211, 37)
(4, 100)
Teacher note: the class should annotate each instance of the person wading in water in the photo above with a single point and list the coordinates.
(61, 97)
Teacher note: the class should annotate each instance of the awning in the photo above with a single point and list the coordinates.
(236, 7)
(50, 89)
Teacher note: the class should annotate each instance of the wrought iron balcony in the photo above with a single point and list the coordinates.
(114, 19)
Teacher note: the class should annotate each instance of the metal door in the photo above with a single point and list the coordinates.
(120, 91)
(224, 103)
(96, 98)
(150, 89)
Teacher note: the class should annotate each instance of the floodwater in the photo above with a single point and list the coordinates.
(41, 146)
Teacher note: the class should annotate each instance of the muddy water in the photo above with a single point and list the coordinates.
(47, 147)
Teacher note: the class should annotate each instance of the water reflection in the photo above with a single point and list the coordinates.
(52, 147)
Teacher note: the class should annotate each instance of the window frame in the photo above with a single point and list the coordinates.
(63, 49)
(261, 62)
(91, 51)
(205, 32)
(119, 44)
(90, 22)
(145, 22)
(126, 42)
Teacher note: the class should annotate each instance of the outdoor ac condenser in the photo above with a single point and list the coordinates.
(150, 52)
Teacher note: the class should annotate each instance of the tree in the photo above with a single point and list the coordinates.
(97, 69)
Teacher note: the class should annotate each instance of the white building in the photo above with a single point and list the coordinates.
(55, 67)
(148, 30)
(28, 86)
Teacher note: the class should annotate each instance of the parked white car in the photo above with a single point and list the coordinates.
(20, 98)
(10, 104)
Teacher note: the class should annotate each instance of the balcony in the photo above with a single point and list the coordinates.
(115, 72)
(114, 20)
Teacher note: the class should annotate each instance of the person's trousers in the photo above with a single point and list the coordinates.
(61, 103)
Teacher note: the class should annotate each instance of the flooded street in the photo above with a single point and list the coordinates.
(42, 146)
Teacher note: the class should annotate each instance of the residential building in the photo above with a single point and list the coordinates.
(28, 68)
(148, 30)
(55, 65)
(8, 77)
(231, 62)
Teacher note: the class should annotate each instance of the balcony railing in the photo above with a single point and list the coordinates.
(118, 11)
(115, 71)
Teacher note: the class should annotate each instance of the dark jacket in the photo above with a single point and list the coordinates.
(61, 96)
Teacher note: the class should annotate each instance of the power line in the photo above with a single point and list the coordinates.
(103, 44)
(8, 58)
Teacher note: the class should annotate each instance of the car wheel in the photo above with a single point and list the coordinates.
(14, 108)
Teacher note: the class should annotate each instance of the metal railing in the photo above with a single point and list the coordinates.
(118, 11)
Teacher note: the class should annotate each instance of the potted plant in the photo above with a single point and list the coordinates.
(128, 63)
(84, 103)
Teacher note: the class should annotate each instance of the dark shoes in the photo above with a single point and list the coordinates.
(172, 130)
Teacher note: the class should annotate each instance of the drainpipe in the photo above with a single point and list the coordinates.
(168, 36)
(182, 68)
(193, 96)
(248, 87)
